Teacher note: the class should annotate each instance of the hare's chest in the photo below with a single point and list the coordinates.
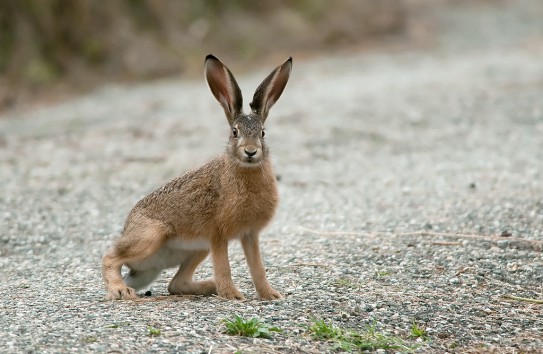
(258, 204)
(251, 209)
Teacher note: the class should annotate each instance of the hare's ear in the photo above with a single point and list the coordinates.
(224, 87)
(271, 89)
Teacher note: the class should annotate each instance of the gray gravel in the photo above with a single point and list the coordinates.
(399, 171)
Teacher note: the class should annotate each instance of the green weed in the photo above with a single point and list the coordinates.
(418, 332)
(118, 324)
(382, 274)
(90, 339)
(350, 340)
(253, 327)
(347, 283)
(153, 332)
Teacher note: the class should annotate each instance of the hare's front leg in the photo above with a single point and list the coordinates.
(256, 267)
(221, 269)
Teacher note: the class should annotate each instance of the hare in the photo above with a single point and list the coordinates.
(231, 197)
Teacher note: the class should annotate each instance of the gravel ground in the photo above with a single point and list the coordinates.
(411, 186)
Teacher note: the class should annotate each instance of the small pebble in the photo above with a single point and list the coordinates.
(506, 233)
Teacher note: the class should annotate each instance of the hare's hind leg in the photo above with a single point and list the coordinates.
(141, 239)
(182, 282)
(111, 271)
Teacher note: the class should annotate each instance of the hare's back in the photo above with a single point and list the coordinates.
(191, 198)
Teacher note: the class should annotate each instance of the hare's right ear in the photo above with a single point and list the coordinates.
(224, 87)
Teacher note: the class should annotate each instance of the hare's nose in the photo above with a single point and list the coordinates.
(250, 153)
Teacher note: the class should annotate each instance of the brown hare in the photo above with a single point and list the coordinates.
(231, 197)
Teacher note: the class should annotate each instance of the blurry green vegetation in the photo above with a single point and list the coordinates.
(85, 41)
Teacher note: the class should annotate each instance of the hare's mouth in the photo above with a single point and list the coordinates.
(247, 161)
(249, 156)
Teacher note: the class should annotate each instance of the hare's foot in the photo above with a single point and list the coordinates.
(230, 293)
(204, 287)
(121, 292)
(269, 294)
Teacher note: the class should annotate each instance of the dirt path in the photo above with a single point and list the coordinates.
(398, 175)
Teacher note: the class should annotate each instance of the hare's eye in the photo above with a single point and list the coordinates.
(263, 133)
(234, 132)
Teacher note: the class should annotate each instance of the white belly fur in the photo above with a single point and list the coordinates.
(189, 245)
(172, 254)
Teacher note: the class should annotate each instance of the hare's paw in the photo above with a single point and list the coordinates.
(230, 293)
(121, 293)
(270, 294)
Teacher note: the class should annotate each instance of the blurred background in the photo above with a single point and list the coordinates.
(51, 49)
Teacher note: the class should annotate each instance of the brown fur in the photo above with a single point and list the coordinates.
(233, 196)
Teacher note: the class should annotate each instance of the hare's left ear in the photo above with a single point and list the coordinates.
(271, 89)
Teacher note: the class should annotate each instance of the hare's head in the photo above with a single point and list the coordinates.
(246, 142)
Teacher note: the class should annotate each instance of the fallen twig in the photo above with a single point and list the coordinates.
(447, 243)
(461, 270)
(302, 264)
(423, 233)
(523, 299)
(448, 234)
(339, 233)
